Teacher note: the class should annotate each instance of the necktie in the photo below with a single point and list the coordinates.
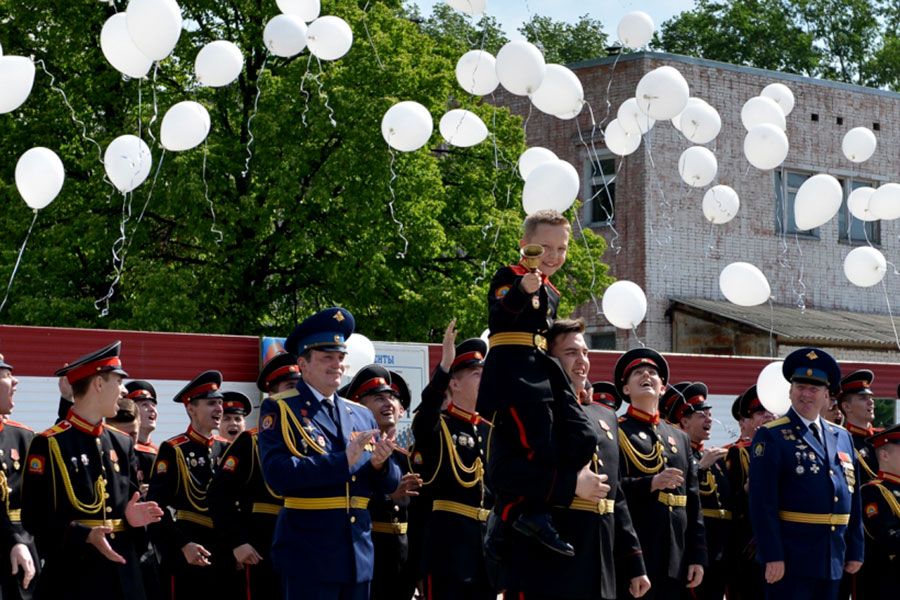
(815, 431)
(333, 413)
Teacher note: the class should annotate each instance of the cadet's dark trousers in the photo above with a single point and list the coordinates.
(296, 588)
(661, 588)
(440, 587)
(713, 585)
(803, 588)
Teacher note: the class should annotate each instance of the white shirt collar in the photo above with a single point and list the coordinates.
(319, 396)
(807, 422)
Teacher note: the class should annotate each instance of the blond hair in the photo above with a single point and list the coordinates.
(543, 217)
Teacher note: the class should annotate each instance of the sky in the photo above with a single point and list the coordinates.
(512, 13)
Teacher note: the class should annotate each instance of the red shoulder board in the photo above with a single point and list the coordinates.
(519, 269)
(113, 429)
(179, 440)
(253, 431)
(145, 448)
(58, 428)
(219, 438)
(19, 425)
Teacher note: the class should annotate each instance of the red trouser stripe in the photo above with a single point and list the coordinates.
(247, 575)
(523, 436)
(428, 588)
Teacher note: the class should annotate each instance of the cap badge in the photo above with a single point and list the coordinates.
(809, 372)
(338, 316)
(812, 355)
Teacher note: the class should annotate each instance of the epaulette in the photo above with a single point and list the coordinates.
(285, 394)
(58, 428)
(139, 447)
(113, 429)
(873, 482)
(252, 431)
(777, 423)
(19, 425)
(178, 440)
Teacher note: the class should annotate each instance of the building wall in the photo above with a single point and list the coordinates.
(667, 246)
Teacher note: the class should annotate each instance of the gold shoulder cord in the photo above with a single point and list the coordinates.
(437, 469)
(889, 498)
(4, 490)
(194, 493)
(256, 459)
(710, 484)
(641, 460)
(456, 464)
(99, 503)
(745, 463)
(287, 418)
(865, 466)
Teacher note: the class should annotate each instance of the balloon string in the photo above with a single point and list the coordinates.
(595, 161)
(12, 276)
(155, 105)
(140, 218)
(212, 208)
(801, 294)
(140, 111)
(527, 118)
(887, 301)
(665, 204)
(587, 247)
(609, 87)
(369, 36)
(485, 262)
(710, 246)
(250, 137)
(304, 91)
(391, 206)
(323, 94)
(771, 328)
(637, 337)
(68, 104)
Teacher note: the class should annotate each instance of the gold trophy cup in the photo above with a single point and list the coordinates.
(531, 259)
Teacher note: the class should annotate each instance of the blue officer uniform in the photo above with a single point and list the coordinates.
(323, 537)
(804, 492)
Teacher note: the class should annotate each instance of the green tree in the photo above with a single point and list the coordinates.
(306, 222)
(455, 31)
(563, 42)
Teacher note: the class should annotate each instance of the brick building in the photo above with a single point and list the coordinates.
(659, 239)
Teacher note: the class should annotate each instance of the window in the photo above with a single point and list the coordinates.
(603, 340)
(786, 185)
(857, 232)
(601, 191)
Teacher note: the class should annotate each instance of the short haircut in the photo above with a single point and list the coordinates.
(543, 217)
(80, 387)
(563, 327)
(127, 412)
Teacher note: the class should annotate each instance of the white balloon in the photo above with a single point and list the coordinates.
(865, 266)
(635, 30)
(743, 284)
(619, 141)
(476, 72)
(553, 185)
(720, 204)
(885, 202)
(559, 93)
(184, 126)
(766, 146)
(520, 67)
(218, 63)
(760, 110)
(693, 100)
(285, 35)
(407, 126)
(463, 128)
(663, 93)
(360, 352)
(773, 389)
(632, 119)
(308, 10)
(16, 79)
(127, 160)
(624, 304)
(470, 7)
(119, 48)
(858, 203)
(700, 122)
(781, 94)
(817, 201)
(39, 177)
(329, 38)
(533, 158)
(859, 144)
(154, 26)
(697, 166)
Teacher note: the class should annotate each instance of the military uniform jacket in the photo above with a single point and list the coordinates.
(881, 516)
(79, 476)
(304, 459)
(146, 455)
(669, 523)
(794, 479)
(449, 453)
(181, 475)
(865, 453)
(242, 506)
(14, 441)
(737, 469)
(717, 504)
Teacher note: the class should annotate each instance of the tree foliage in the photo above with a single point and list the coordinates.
(564, 42)
(306, 221)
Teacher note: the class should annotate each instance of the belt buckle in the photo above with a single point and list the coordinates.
(483, 514)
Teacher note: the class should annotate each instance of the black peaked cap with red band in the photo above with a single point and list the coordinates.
(890, 435)
(104, 360)
(281, 367)
(236, 403)
(371, 379)
(670, 394)
(401, 389)
(736, 409)
(857, 382)
(635, 358)
(205, 385)
(750, 403)
(469, 353)
(605, 392)
(140, 390)
(693, 398)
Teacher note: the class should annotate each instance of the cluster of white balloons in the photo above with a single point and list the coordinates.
(744, 284)
(407, 126)
(765, 119)
(624, 304)
(299, 26)
(147, 31)
(550, 183)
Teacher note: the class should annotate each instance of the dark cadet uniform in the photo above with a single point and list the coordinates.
(244, 509)
(139, 391)
(745, 581)
(394, 574)
(669, 523)
(716, 500)
(449, 453)
(860, 382)
(78, 476)
(881, 518)
(804, 492)
(323, 538)
(184, 467)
